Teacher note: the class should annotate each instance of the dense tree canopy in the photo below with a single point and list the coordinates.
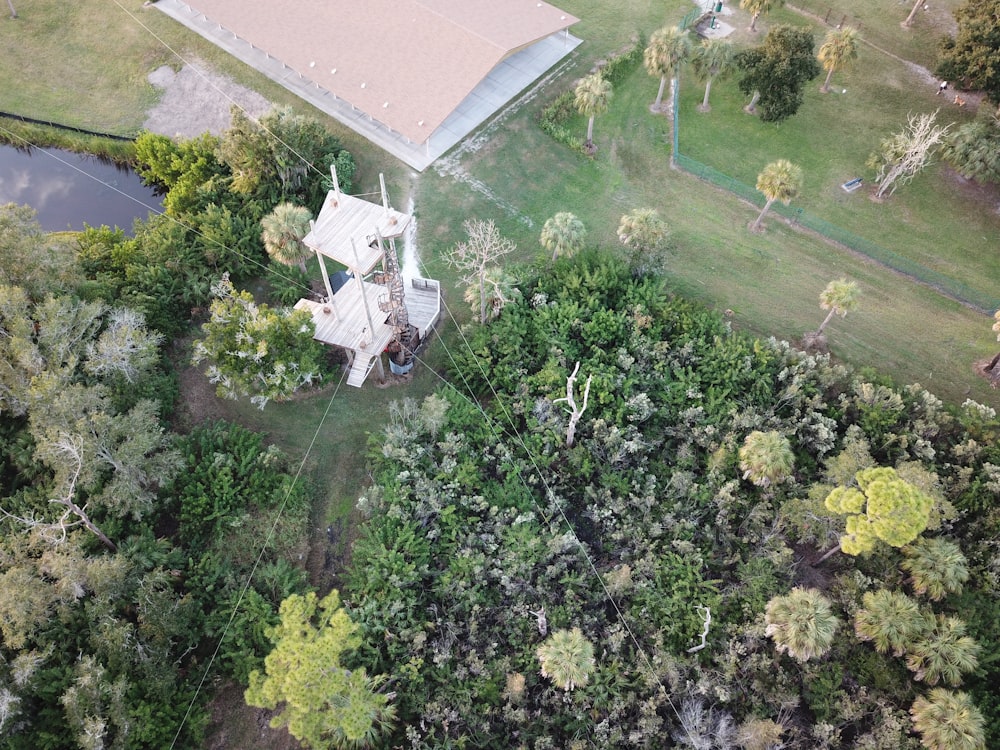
(492, 544)
(972, 57)
(775, 72)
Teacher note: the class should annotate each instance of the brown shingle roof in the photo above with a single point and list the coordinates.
(406, 63)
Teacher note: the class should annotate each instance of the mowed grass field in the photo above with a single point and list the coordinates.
(771, 282)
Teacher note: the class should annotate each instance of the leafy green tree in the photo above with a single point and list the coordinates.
(592, 97)
(323, 703)
(255, 351)
(778, 181)
(125, 348)
(936, 566)
(839, 297)
(31, 259)
(563, 234)
(272, 158)
(973, 56)
(282, 232)
(476, 259)
(947, 720)
(973, 148)
(882, 507)
(567, 658)
(713, 60)
(182, 167)
(756, 8)
(903, 155)
(667, 50)
(775, 72)
(766, 458)
(942, 651)
(801, 623)
(839, 48)
(890, 619)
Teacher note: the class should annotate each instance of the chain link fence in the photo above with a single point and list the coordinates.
(947, 286)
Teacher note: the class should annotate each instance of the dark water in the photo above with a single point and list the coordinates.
(68, 189)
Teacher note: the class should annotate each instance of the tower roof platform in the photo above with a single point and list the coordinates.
(347, 226)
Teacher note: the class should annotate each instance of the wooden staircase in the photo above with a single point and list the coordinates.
(360, 369)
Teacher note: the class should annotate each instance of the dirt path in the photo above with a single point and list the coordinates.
(196, 100)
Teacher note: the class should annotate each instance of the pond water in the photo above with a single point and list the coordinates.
(68, 189)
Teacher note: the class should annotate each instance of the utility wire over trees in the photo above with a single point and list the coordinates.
(255, 351)
(901, 156)
(282, 232)
(322, 702)
(476, 259)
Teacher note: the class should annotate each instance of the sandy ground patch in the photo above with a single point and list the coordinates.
(197, 99)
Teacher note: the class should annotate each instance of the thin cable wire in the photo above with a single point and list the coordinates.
(471, 399)
(513, 435)
(222, 93)
(257, 562)
(154, 210)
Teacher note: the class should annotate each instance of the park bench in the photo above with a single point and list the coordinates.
(851, 185)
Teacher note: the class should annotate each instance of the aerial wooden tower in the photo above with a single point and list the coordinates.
(373, 312)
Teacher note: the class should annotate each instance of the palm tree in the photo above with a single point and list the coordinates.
(668, 48)
(779, 181)
(802, 623)
(283, 230)
(948, 721)
(890, 619)
(713, 59)
(757, 7)
(944, 652)
(642, 230)
(839, 297)
(592, 97)
(839, 48)
(563, 234)
(567, 658)
(766, 458)
(936, 566)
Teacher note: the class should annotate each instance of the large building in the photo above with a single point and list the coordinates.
(413, 76)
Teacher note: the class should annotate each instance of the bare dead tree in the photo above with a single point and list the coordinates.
(575, 412)
(903, 154)
(71, 448)
(704, 633)
(475, 258)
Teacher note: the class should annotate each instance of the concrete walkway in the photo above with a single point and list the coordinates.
(504, 83)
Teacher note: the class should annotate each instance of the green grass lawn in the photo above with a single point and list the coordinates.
(771, 282)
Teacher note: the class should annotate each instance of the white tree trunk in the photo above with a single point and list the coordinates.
(825, 88)
(913, 13)
(659, 94)
(708, 89)
(756, 224)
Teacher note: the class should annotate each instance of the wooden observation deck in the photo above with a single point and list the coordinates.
(359, 234)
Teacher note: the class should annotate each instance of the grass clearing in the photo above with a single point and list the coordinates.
(771, 282)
